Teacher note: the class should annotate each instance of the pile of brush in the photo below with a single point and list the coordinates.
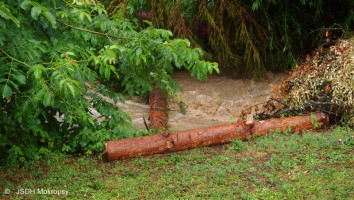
(324, 82)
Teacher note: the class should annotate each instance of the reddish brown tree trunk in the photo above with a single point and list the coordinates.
(176, 141)
(158, 110)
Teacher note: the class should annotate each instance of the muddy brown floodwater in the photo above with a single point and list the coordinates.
(218, 100)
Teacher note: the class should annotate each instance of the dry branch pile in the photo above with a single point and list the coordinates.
(323, 82)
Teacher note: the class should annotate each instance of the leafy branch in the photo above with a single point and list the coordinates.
(95, 32)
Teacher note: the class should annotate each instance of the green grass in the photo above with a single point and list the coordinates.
(277, 166)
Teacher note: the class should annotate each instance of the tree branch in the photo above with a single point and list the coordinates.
(95, 32)
(12, 58)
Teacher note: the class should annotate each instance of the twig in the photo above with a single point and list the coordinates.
(12, 58)
(322, 103)
(278, 113)
(327, 43)
(265, 32)
(146, 126)
(279, 101)
(329, 28)
(95, 32)
(305, 106)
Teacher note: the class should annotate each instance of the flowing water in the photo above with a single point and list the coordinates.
(218, 100)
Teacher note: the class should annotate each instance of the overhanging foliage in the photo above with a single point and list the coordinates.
(51, 53)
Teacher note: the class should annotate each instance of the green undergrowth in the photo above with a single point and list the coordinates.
(277, 166)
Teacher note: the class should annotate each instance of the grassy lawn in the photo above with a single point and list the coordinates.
(277, 166)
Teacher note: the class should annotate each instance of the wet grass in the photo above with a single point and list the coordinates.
(277, 166)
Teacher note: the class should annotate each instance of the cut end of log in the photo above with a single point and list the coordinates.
(249, 122)
(169, 144)
(325, 118)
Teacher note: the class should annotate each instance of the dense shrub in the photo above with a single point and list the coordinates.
(51, 53)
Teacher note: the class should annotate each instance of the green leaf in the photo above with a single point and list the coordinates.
(25, 106)
(255, 5)
(121, 97)
(111, 123)
(200, 52)
(71, 88)
(37, 71)
(50, 18)
(114, 46)
(216, 68)
(148, 22)
(210, 68)
(83, 143)
(66, 148)
(5, 13)
(137, 60)
(81, 15)
(6, 91)
(47, 99)
(14, 85)
(20, 78)
(61, 83)
(15, 20)
(107, 72)
(35, 12)
(96, 60)
(39, 94)
(88, 17)
(70, 53)
(144, 58)
(188, 42)
(138, 51)
(25, 4)
(101, 70)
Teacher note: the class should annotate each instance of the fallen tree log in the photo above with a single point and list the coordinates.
(158, 110)
(176, 141)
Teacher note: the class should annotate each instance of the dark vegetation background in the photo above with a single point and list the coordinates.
(245, 36)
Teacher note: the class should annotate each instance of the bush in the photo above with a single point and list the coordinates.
(51, 53)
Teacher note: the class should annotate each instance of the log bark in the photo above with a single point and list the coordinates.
(158, 110)
(176, 141)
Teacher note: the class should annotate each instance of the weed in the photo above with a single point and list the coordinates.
(237, 145)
